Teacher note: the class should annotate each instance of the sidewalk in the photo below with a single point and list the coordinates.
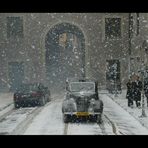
(135, 112)
(124, 122)
(6, 102)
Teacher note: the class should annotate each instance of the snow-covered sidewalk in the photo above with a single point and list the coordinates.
(126, 124)
(135, 112)
(6, 102)
(5, 99)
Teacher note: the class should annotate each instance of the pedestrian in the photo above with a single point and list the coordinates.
(129, 93)
(137, 88)
(146, 89)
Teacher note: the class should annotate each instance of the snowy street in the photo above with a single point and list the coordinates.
(48, 120)
(69, 66)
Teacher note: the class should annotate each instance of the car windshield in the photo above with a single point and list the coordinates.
(82, 86)
(28, 88)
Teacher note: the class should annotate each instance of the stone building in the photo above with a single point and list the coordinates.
(50, 47)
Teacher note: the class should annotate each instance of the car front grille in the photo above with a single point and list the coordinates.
(82, 104)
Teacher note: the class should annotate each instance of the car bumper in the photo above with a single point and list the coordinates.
(27, 100)
(82, 114)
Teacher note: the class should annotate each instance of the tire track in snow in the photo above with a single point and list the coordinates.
(49, 120)
(11, 121)
(102, 127)
(66, 129)
(125, 123)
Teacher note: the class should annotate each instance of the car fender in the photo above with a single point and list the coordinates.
(98, 105)
(69, 105)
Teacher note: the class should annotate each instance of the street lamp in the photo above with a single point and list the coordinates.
(145, 50)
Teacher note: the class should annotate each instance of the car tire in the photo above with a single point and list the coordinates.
(99, 119)
(42, 101)
(16, 105)
(48, 98)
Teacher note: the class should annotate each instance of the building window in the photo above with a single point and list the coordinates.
(14, 27)
(112, 28)
(62, 39)
(131, 25)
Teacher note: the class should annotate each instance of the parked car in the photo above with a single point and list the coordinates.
(31, 94)
(82, 100)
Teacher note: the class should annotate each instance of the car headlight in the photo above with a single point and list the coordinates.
(92, 101)
(91, 105)
(70, 105)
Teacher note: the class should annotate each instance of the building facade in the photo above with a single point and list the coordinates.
(50, 47)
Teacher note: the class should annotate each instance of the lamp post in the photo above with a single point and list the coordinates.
(142, 78)
(143, 53)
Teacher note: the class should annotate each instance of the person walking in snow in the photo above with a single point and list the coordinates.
(129, 93)
(137, 88)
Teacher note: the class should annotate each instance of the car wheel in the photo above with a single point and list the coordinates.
(65, 118)
(42, 101)
(99, 119)
(16, 105)
(48, 98)
(93, 118)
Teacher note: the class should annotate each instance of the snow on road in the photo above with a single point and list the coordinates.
(5, 100)
(49, 121)
(84, 129)
(6, 103)
(126, 123)
(10, 122)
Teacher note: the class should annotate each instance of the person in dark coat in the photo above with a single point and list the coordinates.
(129, 93)
(146, 89)
(137, 88)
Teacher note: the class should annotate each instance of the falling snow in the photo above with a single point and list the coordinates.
(51, 47)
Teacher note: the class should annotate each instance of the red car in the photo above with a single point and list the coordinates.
(31, 94)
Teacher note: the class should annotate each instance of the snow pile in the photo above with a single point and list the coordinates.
(5, 100)
(6, 103)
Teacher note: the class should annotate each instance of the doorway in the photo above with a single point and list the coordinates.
(65, 55)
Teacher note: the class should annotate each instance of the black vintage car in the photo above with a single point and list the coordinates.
(31, 94)
(82, 100)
